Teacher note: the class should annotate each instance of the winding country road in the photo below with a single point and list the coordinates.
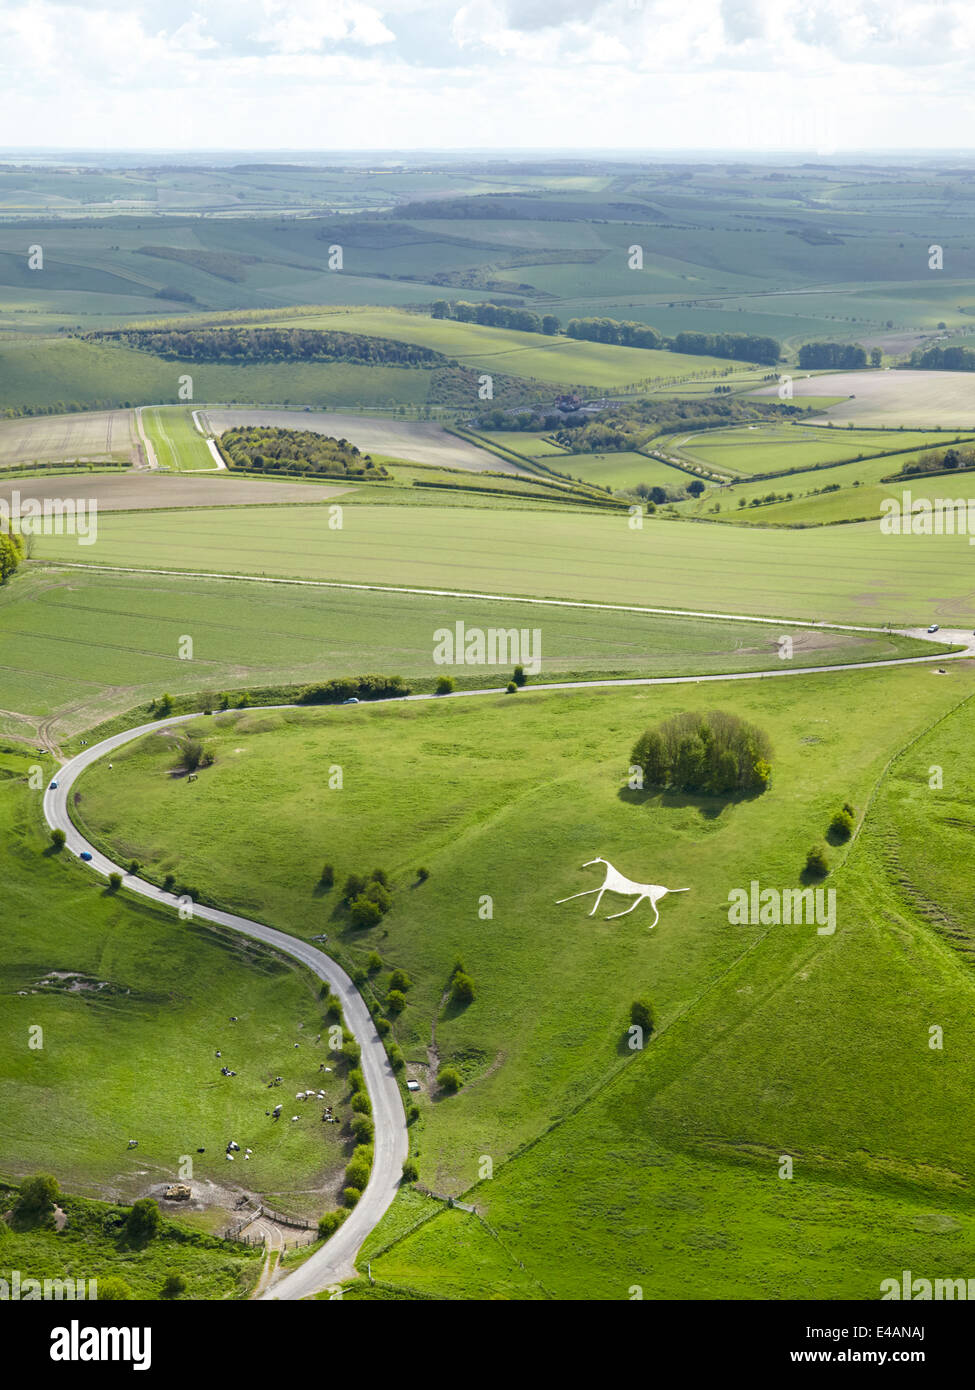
(335, 1261)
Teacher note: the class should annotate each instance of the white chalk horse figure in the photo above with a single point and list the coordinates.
(615, 882)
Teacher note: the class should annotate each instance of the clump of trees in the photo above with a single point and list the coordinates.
(714, 753)
(741, 347)
(269, 449)
(944, 359)
(623, 332)
(496, 316)
(846, 356)
(368, 899)
(272, 345)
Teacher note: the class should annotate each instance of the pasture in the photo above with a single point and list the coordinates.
(686, 1133)
(558, 360)
(132, 1022)
(847, 574)
(52, 372)
(81, 646)
(776, 447)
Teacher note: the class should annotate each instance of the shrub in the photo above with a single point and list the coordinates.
(365, 912)
(114, 882)
(383, 1026)
(37, 1195)
(449, 1079)
(351, 1195)
(164, 706)
(395, 1002)
(363, 1128)
(400, 980)
(379, 894)
(817, 862)
(354, 885)
(374, 962)
(58, 838)
(715, 753)
(396, 1057)
(357, 1174)
(361, 1104)
(379, 876)
(445, 685)
(410, 1171)
(327, 879)
(350, 1051)
(511, 688)
(412, 1113)
(356, 1080)
(134, 866)
(329, 1223)
(641, 1013)
(462, 988)
(144, 1219)
(518, 675)
(113, 1291)
(168, 882)
(423, 875)
(174, 1285)
(841, 826)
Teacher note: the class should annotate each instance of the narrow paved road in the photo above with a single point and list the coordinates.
(334, 1262)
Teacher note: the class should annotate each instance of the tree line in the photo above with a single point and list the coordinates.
(849, 357)
(740, 347)
(273, 345)
(496, 316)
(939, 359)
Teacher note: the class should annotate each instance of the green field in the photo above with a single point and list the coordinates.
(623, 470)
(847, 574)
(774, 448)
(130, 1053)
(52, 372)
(179, 445)
(79, 647)
(559, 360)
(768, 1041)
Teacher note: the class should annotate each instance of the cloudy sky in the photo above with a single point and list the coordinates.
(824, 75)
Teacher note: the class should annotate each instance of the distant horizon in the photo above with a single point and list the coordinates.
(569, 154)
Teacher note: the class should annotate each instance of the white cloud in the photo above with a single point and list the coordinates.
(317, 74)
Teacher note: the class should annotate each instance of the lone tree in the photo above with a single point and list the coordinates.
(449, 1079)
(58, 838)
(144, 1220)
(462, 988)
(714, 753)
(817, 862)
(641, 1013)
(37, 1195)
